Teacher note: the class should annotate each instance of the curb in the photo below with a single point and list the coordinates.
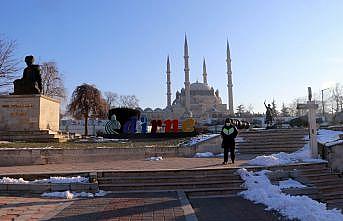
(186, 206)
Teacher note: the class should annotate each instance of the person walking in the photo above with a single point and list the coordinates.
(229, 133)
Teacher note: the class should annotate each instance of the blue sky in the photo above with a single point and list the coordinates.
(278, 48)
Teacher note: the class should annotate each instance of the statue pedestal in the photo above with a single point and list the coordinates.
(27, 117)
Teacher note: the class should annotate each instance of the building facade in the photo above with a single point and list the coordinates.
(197, 100)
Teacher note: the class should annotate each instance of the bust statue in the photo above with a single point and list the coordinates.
(31, 82)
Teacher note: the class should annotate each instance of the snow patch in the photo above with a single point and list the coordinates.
(290, 183)
(154, 158)
(55, 180)
(302, 155)
(199, 138)
(77, 179)
(260, 190)
(71, 195)
(327, 137)
(208, 155)
(204, 155)
(7, 180)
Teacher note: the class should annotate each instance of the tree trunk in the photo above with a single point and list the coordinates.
(86, 125)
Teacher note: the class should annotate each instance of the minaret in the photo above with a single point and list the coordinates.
(229, 79)
(168, 84)
(187, 83)
(204, 72)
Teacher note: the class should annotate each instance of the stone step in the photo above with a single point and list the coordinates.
(310, 170)
(37, 140)
(170, 179)
(170, 186)
(30, 132)
(292, 167)
(337, 195)
(335, 201)
(263, 151)
(168, 173)
(323, 175)
(330, 188)
(41, 188)
(207, 192)
(273, 137)
(271, 145)
(326, 181)
(270, 149)
(271, 131)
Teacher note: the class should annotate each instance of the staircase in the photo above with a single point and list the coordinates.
(196, 183)
(259, 142)
(322, 184)
(44, 136)
(329, 185)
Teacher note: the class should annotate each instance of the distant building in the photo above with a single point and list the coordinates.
(197, 100)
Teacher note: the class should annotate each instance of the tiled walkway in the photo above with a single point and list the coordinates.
(30, 208)
(122, 207)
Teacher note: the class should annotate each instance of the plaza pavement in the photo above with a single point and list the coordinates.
(123, 165)
(166, 206)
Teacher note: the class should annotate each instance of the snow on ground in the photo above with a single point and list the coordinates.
(260, 190)
(71, 195)
(77, 179)
(302, 155)
(208, 155)
(290, 183)
(55, 180)
(199, 138)
(7, 180)
(204, 155)
(154, 158)
(326, 136)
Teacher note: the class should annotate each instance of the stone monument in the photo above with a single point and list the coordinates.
(26, 114)
(31, 82)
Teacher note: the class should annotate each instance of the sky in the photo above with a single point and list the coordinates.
(278, 48)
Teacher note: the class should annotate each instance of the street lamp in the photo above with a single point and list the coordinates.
(323, 102)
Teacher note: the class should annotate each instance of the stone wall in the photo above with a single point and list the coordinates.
(24, 156)
(334, 155)
(211, 145)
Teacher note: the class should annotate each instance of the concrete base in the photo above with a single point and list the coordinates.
(29, 113)
(33, 118)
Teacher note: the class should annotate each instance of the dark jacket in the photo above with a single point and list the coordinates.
(229, 133)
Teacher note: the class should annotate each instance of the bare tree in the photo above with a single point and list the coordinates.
(337, 97)
(9, 65)
(87, 102)
(52, 80)
(275, 112)
(111, 99)
(251, 109)
(130, 101)
(284, 110)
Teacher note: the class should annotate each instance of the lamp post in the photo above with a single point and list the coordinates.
(323, 102)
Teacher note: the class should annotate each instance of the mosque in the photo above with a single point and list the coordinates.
(197, 100)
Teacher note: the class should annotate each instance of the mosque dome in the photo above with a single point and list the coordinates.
(199, 87)
(148, 110)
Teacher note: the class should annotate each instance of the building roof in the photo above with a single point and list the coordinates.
(199, 87)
